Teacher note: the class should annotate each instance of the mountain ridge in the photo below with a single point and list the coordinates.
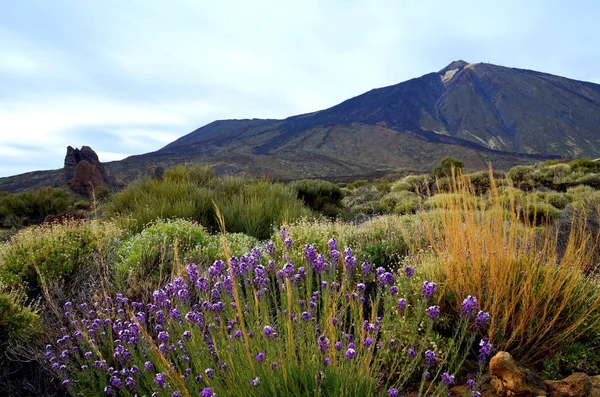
(478, 112)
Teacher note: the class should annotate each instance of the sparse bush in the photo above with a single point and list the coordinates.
(447, 166)
(19, 321)
(31, 207)
(248, 206)
(321, 196)
(53, 252)
(585, 165)
(150, 258)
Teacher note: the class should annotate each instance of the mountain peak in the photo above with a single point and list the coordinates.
(454, 65)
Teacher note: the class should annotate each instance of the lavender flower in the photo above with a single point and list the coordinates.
(160, 379)
(209, 372)
(409, 272)
(412, 353)
(448, 379)
(393, 392)
(393, 290)
(401, 305)
(429, 358)
(482, 319)
(429, 289)
(255, 381)
(350, 354)
(470, 384)
(207, 392)
(332, 244)
(468, 306)
(270, 248)
(260, 357)
(269, 331)
(433, 312)
(485, 349)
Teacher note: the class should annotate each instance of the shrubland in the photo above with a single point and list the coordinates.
(310, 288)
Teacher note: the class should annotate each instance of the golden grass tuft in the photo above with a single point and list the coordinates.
(537, 295)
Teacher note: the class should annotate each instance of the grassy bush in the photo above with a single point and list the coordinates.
(54, 251)
(19, 321)
(150, 258)
(31, 207)
(538, 298)
(251, 207)
(211, 250)
(321, 196)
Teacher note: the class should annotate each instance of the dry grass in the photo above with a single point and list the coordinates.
(537, 296)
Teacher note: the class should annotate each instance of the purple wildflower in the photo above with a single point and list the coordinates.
(448, 379)
(269, 331)
(429, 358)
(160, 379)
(207, 392)
(429, 289)
(350, 354)
(260, 357)
(470, 384)
(409, 272)
(401, 305)
(412, 353)
(433, 312)
(209, 372)
(393, 392)
(468, 306)
(332, 244)
(482, 319)
(393, 290)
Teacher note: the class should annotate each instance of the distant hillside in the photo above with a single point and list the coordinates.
(476, 112)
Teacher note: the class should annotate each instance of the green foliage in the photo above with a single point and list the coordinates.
(149, 257)
(446, 166)
(212, 249)
(321, 196)
(31, 207)
(585, 165)
(358, 183)
(581, 356)
(248, 206)
(19, 321)
(53, 250)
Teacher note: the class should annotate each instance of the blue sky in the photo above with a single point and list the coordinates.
(129, 76)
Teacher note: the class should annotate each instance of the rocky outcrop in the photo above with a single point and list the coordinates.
(509, 379)
(83, 170)
(576, 385)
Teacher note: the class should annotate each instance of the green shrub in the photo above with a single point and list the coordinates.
(321, 196)
(400, 186)
(31, 207)
(446, 166)
(152, 254)
(520, 173)
(585, 165)
(248, 206)
(237, 243)
(19, 321)
(53, 250)
(358, 183)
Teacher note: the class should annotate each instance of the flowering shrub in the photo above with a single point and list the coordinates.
(263, 325)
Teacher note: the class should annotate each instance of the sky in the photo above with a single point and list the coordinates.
(130, 76)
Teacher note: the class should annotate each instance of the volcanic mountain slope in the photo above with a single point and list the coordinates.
(475, 112)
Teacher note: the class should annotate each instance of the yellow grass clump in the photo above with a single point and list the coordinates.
(538, 296)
